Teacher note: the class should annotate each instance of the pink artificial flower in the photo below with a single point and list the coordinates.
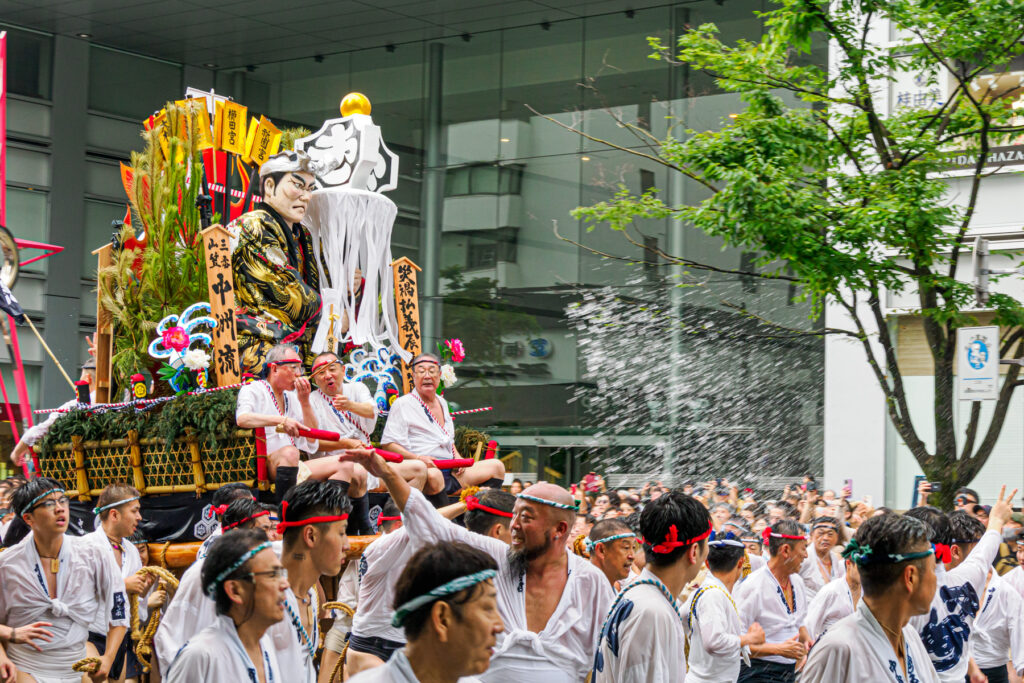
(456, 349)
(176, 338)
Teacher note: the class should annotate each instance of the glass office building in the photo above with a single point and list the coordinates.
(490, 173)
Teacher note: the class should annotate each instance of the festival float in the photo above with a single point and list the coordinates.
(174, 305)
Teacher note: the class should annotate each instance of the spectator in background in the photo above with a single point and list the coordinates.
(516, 488)
(720, 514)
(965, 499)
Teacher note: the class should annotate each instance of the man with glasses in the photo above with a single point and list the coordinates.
(280, 404)
(420, 427)
(64, 580)
(247, 583)
(274, 268)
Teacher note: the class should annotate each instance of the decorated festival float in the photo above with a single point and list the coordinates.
(184, 317)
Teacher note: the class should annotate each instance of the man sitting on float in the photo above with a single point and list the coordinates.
(281, 401)
(348, 409)
(276, 277)
(420, 427)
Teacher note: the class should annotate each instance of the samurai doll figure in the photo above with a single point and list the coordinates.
(276, 276)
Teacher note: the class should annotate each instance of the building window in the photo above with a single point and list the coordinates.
(484, 179)
(488, 248)
(29, 63)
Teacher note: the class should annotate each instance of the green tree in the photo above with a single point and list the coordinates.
(843, 198)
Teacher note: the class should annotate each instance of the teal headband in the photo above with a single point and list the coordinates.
(97, 511)
(607, 539)
(28, 508)
(452, 587)
(544, 501)
(246, 556)
(861, 555)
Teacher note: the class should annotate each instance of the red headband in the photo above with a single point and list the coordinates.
(219, 509)
(282, 525)
(386, 518)
(768, 533)
(243, 521)
(473, 503)
(321, 364)
(292, 361)
(672, 541)
(942, 553)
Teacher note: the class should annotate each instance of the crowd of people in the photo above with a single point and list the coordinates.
(471, 578)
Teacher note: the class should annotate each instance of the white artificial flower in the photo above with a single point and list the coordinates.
(197, 359)
(448, 375)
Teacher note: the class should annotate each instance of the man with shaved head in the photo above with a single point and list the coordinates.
(552, 602)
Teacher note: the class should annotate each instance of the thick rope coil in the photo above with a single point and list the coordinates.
(579, 546)
(468, 491)
(86, 666)
(144, 638)
(339, 668)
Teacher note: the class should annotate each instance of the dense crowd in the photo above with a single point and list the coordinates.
(472, 579)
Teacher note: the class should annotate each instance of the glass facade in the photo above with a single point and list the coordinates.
(480, 126)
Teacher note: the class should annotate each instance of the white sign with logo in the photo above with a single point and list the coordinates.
(977, 350)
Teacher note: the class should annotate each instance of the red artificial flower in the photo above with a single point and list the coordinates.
(456, 349)
(176, 338)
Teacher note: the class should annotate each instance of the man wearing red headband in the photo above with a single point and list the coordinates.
(314, 515)
(775, 597)
(282, 401)
(348, 409)
(551, 601)
(420, 426)
(642, 638)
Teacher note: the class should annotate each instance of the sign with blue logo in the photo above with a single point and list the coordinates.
(977, 373)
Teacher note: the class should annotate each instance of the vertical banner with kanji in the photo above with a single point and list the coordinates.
(222, 305)
(407, 306)
(3, 128)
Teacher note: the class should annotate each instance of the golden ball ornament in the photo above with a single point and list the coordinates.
(355, 103)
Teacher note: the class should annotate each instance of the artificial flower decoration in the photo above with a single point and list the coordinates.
(455, 349)
(182, 362)
(450, 350)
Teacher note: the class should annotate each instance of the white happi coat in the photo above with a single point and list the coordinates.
(1015, 579)
(397, 670)
(411, 426)
(714, 628)
(292, 653)
(216, 654)
(87, 582)
(643, 641)
(131, 562)
(760, 598)
(563, 652)
(188, 612)
(204, 549)
(832, 603)
(37, 431)
(345, 422)
(946, 629)
(999, 627)
(348, 593)
(379, 567)
(258, 398)
(856, 650)
(816, 575)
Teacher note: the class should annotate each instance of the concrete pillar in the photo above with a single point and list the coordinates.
(432, 201)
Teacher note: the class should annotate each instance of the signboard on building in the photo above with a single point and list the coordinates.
(977, 354)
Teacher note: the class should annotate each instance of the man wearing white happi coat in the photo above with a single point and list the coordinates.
(282, 401)
(838, 599)
(642, 638)
(717, 640)
(119, 513)
(420, 427)
(552, 602)
(245, 578)
(962, 563)
(999, 631)
(775, 597)
(191, 609)
(876, 643)
(50, 576)
(822, 564)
